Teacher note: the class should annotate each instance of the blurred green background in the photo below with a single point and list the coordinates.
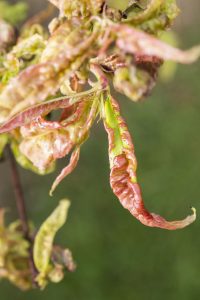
(117, 257)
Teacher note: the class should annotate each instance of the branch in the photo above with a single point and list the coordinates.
(21, 208)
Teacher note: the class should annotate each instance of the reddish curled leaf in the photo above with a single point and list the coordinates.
(43, 142)
(43, 109)
(79, 128)
(123, 178)
(134, 41)
(67, 170)
(34, 84)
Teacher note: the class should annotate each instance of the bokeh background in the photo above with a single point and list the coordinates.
(117, 257)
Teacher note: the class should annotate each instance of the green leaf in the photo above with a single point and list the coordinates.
(111, 120)
(44, 241)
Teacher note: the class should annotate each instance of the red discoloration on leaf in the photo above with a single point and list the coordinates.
(67, 170)
(80, 132)
(124, 182)
(32, 113)
(44, 142)
(134, 41)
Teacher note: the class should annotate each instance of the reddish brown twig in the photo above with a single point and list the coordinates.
(21, 208)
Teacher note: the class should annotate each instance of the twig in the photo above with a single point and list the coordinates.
(21, 207)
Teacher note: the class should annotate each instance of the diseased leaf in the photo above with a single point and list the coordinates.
(43, 144)
(144, 13)
(67, 170)
(79, 129)
(123, 166)
(35, 111)
(133, 41)
(43, 244)
(14, 254)
(154, 17)
(26, 163)
(37, 82)
(78, 8)
(133, 82)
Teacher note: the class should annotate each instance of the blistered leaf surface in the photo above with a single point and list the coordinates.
(123, 166)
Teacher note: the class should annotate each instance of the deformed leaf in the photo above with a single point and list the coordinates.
(33, 112)
(78, 8)
(123, 166)
(133, 82)
(44, 142)
(67, 170)
(133, 41)
(145, 13)
(14, 254)
(26, 163)
(43, 244)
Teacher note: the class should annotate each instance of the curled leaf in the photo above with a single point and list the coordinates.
(14, 254)
(123, 177)
(133, 82)
(133, 41)
(144, 13)
(79, 129)
(154, 17)
(67, 170)
(38, 110)
(26, 163)
(78, 8)
(39, 81)
(43, 244)
(44, 143)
